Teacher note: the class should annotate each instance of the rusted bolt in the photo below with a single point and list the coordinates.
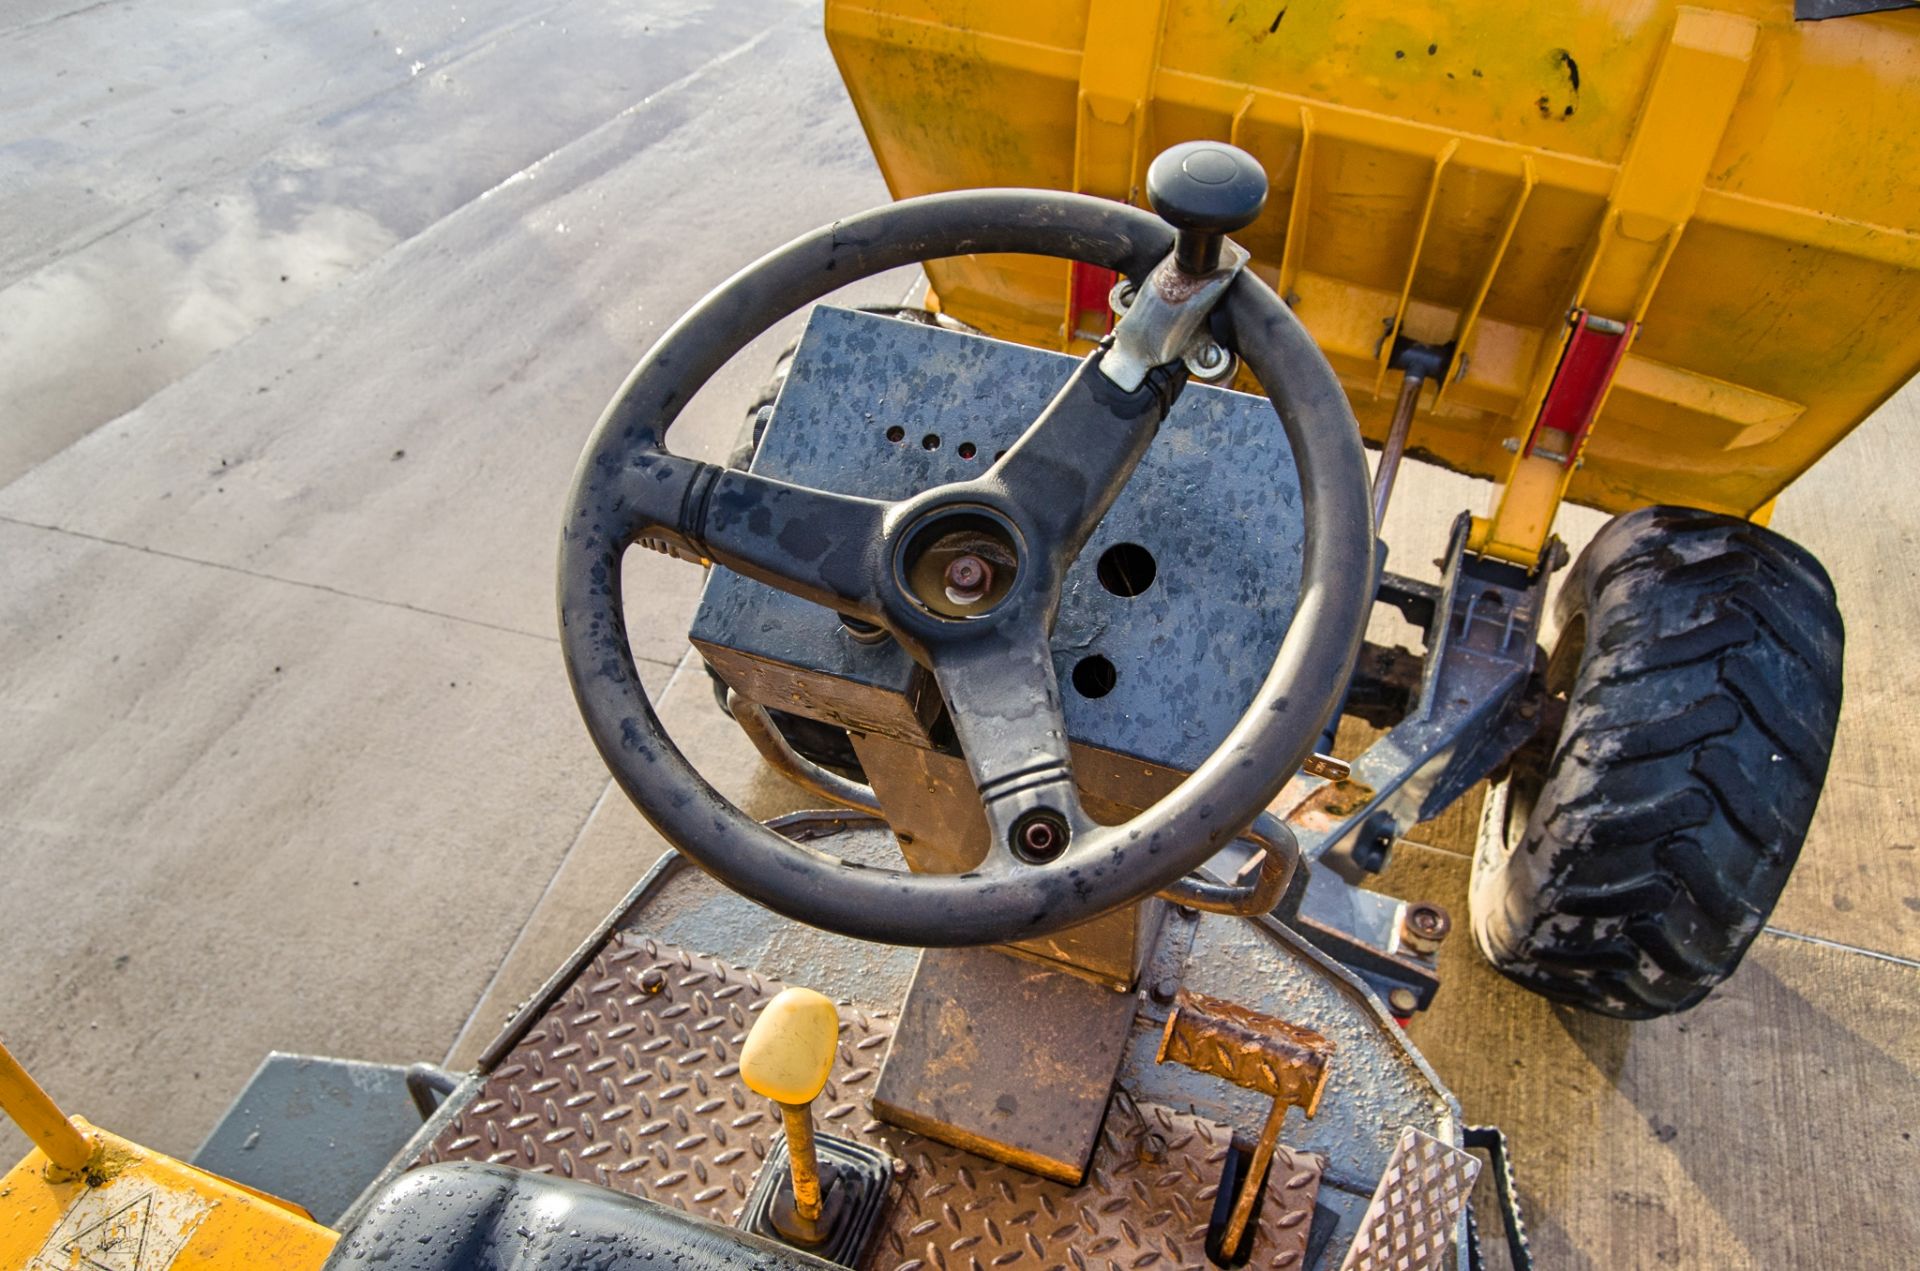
(652, 981)
(1164, 990)
(1402, 1002)
(1424, 926)
(968, 578)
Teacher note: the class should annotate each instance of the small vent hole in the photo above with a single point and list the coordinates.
(1094, 676)
(1126, 569)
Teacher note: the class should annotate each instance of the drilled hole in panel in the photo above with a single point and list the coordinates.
(1126, 569)
(1094, 676)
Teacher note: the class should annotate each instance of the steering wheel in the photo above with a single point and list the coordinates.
(985, 639)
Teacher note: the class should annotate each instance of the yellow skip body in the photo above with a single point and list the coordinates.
(1733, 186)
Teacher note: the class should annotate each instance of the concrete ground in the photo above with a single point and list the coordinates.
(305, 310)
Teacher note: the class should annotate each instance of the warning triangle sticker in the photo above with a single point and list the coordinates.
(116, 1242)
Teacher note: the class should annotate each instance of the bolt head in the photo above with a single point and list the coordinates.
(1429, 920)
(968, 577)
(1423, 927)
(1207, 360)
(1039, 836)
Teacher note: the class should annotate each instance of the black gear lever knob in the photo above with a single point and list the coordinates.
(1205, 190)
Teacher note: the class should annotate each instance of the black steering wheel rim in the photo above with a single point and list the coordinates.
(1105, 868)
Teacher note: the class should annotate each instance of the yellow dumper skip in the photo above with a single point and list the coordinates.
(1735, 188)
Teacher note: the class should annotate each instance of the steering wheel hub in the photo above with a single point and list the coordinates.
(959, 562)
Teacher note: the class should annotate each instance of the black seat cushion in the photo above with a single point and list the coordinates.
(470, 1217)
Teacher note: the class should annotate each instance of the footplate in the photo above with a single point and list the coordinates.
(1416, 1209)
(630, 1079)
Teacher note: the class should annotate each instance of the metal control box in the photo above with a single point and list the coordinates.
(1206, 537)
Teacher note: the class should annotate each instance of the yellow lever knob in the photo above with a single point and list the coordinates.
(790, 1050)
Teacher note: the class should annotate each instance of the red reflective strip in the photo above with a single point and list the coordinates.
(1092, 286)
(1586, 368)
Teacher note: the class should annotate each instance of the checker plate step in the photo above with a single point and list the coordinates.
(630, 1079)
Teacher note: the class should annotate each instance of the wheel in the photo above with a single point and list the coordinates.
(1626, 866)
(967, 577)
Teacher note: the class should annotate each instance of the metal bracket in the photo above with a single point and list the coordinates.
(1478, 702)
(1164, 321)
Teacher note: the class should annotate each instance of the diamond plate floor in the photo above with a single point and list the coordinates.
(630, 1079)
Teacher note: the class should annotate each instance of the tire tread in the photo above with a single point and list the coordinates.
(1697, 737)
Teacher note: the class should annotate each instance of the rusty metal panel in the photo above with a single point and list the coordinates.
(630, 1079)
(1146, 1203)
(1006, 1058)
(1410, 1224)
(934, 808)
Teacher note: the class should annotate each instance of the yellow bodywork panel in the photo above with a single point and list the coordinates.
(1735, 187)
(136, 1210)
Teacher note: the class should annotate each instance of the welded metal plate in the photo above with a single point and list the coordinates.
(878, 407)
(1042, 1045)
(630, 1079)
(1416, 1209)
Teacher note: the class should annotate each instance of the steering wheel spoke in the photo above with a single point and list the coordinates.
(810, 543)
(1004, 700)
(1073, 461)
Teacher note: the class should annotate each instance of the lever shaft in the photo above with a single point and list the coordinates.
(798, 1119)
(40, 1118)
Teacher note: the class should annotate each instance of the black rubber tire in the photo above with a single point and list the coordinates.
(1627, 867)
